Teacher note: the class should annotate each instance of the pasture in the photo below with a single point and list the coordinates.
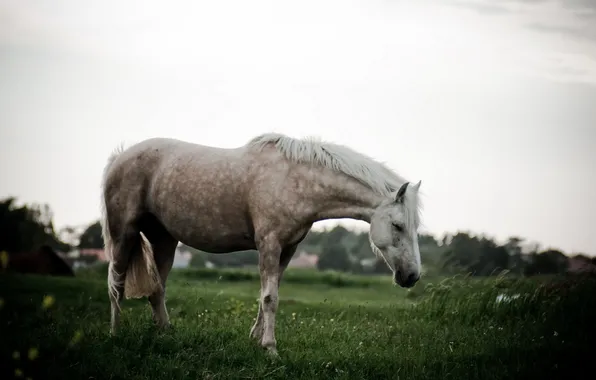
(336, 326)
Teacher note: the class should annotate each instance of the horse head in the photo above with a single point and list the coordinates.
(394, 236)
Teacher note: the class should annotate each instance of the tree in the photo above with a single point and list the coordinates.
(551, 261)
(92, 237)
(380, 266)
(334, 257)
(515, 250)
(492, 259)
(479, 256)
(460, 254)
(197, 260)
(27, 228)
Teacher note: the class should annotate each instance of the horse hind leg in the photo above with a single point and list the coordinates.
(164, 249)
(121, 251)
(132, 270)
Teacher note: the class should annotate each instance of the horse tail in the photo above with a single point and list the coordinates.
(142, 276)
(105, 227)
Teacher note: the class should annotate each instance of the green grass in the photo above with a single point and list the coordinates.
(328, 326)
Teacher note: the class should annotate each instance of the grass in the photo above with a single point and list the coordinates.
(328, 326)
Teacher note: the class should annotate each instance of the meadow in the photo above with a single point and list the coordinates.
(329, 325)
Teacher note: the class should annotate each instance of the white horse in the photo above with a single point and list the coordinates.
(264, 195)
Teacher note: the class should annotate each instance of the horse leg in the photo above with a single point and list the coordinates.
(269, 265)
(164, 250)
(256, 332)
(123, 247)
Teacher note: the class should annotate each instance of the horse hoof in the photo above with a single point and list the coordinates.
(272, 353)
(165, 327)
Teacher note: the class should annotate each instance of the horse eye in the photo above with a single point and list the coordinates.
(398, 227)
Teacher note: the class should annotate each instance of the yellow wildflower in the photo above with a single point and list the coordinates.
(47, 302)
(33, 353)
(18, 373)
(76, 338)
(4, 259)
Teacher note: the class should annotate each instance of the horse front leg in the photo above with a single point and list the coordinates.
(269, 259)
(256, 332)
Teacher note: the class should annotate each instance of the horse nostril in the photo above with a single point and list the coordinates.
(406, 281)
(411, 280)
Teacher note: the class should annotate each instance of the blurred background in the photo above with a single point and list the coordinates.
(491, 104)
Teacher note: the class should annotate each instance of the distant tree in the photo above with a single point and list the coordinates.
(338, 234)
(493, 258)
(334, 257)
(361, 247)
(478, 256)
(461, 252)
(430, 252)
(380, 266)
(197, 260)
(27, 227)
(92, 237)
(70, 235)
(515, 250)
(313, 242)
(551, 261)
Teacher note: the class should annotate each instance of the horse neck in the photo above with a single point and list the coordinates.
(341, 196)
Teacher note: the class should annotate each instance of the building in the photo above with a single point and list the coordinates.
(304, 260)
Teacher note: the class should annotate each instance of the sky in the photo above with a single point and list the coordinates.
(491, 104)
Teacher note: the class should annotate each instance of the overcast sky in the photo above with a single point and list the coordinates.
(491, 104)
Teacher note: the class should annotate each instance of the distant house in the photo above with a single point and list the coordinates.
(304, 260)
(44, 260)
(98, 253)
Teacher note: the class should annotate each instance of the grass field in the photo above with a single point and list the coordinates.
(328, 326)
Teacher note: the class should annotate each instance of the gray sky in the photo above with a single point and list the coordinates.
(491, 104)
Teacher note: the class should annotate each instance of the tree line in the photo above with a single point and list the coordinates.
(25, 228)
(344, 250)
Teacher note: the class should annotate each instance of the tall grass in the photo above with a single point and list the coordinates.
(356, 327)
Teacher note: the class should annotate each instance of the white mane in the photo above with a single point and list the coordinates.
(340, 158)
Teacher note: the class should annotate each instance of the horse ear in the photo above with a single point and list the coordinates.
(417, 186)
(399, 197)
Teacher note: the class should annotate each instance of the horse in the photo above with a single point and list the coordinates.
(264, 195)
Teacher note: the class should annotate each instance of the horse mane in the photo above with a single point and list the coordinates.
(374, 174)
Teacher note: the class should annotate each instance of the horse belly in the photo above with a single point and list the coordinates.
(205, 227)
(228, 246)
(211, 240)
